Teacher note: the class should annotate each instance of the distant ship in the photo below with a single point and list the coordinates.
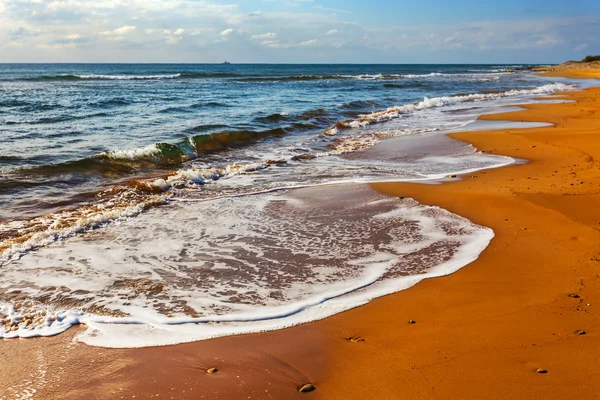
(226, 63)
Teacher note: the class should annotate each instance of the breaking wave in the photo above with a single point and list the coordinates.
(490, 74)
(397, 111)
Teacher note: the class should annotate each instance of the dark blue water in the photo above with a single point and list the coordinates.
(59, 123)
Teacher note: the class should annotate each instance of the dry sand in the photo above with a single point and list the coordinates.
(480, 333)
(573, 70)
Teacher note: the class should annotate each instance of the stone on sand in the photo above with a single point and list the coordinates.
(308, 387)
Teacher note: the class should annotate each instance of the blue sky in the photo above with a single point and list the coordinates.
(312, 31)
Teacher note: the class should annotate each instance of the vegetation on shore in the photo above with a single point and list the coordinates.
(587, 63)
(590, 59)
(586, 59)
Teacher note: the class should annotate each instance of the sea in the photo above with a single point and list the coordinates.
(165, 203)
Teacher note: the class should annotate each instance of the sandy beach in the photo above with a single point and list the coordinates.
(527, 305)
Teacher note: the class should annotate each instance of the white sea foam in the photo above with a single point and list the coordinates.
(128, 77)
(127, 203)
(436, 102)
(462, 76)
(150, 151)
(232, 266)
(43, 231)
(201, 176)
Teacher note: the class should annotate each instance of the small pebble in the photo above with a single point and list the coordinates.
(541, 371)
(356, 339)
(212, 370)
(580, 332)
(574, 295)
(412, 321)
(306, 388)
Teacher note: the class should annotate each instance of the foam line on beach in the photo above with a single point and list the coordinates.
(376, 272)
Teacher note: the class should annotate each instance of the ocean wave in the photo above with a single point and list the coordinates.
(95, 77)
(119, 202)
(210, 104)
(119, 163)
(205, 128)
(117, 101)
(194, 146)
(374, 77)
(473, 74)
(482, 77)
(127, 77)
(151, 151)
(276, 117)
(188, 75)
(202, 176)
(289, 78)
(427, 103)
(15, 103)
(363, 77)
(65, 118)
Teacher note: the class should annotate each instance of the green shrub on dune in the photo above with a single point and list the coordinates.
(590, 59)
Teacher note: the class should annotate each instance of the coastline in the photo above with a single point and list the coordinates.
(474, 332)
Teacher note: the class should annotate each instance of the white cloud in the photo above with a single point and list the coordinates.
(290, 3)
(262, 36)
(200, 31)
(334, 10)
(270, 43)
(204, 31)
(309, 42)
(124, 30)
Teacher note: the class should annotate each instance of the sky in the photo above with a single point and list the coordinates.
(299, 31)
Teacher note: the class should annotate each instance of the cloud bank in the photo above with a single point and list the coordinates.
(205, 31)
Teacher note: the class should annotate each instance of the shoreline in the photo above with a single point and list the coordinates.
(482, 316)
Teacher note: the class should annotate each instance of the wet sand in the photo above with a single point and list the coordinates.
(479, 333)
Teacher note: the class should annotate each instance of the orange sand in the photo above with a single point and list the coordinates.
(575, 71)
(480, 333)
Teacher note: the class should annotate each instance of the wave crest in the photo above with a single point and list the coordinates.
(397, 111)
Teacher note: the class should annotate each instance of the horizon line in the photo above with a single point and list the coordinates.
(255, 63)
